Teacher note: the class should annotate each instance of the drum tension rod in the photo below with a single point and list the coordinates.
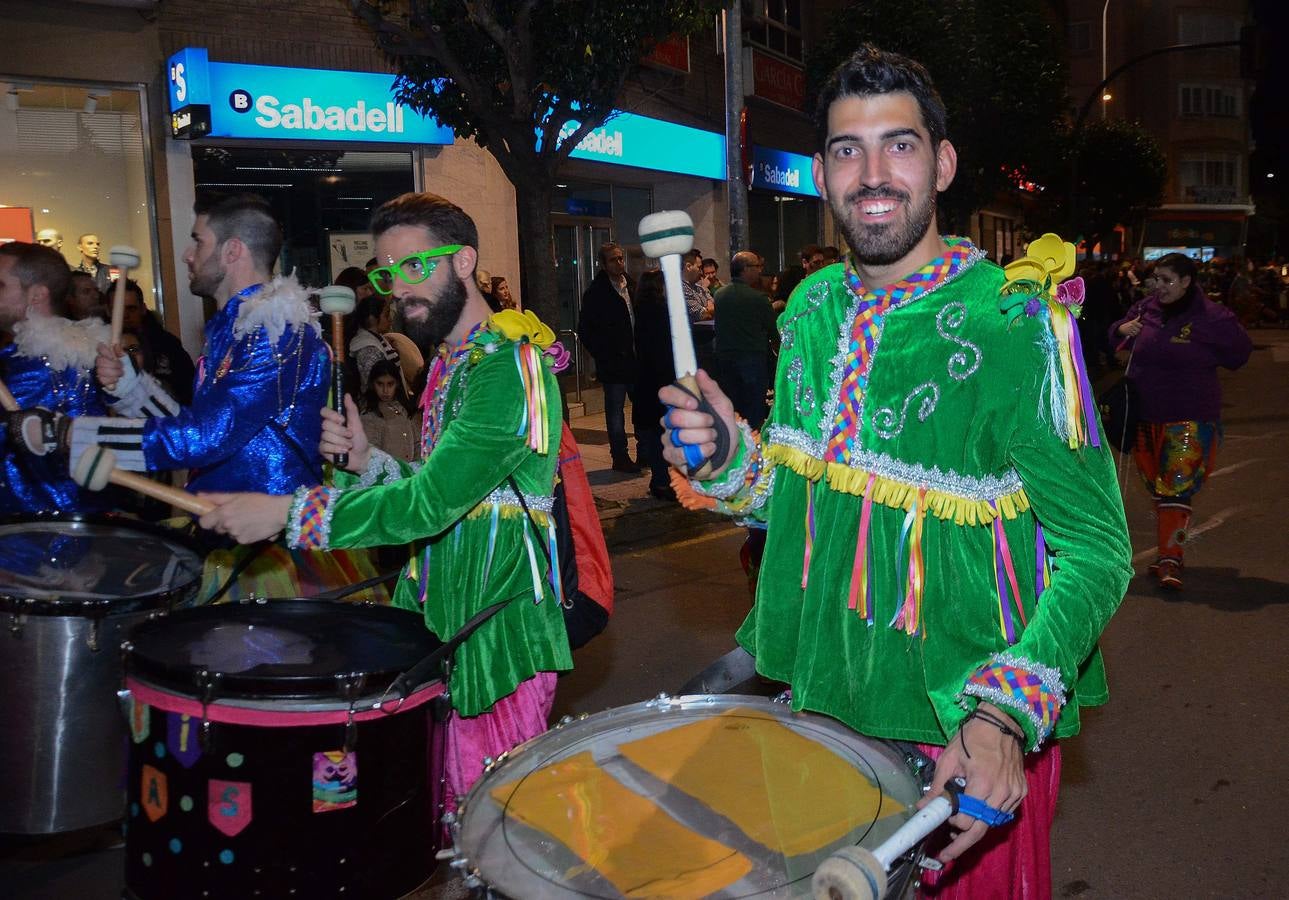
(208, 682)
(351, 686)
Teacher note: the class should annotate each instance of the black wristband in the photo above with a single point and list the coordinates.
(1006, 728)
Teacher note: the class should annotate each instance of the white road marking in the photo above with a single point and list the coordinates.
(701, 539)
(1225, 470)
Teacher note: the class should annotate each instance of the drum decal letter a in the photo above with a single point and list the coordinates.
(153, 793)
(228, 805)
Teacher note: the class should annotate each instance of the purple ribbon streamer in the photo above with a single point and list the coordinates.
(1000, 575)
(1040, 553)
(1085, 389)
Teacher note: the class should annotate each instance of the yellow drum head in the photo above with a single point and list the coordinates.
(688, 797)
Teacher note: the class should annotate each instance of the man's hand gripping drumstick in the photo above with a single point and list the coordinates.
(699, 419)
(124, 259)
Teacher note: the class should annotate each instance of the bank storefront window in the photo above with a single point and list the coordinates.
(74, 174)
(323, 198)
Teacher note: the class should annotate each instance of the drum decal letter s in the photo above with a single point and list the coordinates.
(182, 738)
(154, 793)
(335, 780)
(228, 805)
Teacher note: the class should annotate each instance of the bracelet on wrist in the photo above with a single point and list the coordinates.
(1006, 728)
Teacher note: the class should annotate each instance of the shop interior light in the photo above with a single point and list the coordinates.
(284, 169)
(1107, 96)
(92, 99)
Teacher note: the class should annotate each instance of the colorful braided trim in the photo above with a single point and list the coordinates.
(1033, 691)
(900, 494)
(309, 522)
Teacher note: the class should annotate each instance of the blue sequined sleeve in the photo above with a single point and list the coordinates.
(239, 398)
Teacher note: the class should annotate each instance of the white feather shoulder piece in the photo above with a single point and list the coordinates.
(61, 341)
(284, 303)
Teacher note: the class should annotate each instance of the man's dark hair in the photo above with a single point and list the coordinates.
(808, 252)
(831, 253)
(445, 221)
(247, 217)
(37, 264)
(870, 72)
(605, 250)
(694, 254)
(708, 261)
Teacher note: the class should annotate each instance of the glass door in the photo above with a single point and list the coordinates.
(577, 242)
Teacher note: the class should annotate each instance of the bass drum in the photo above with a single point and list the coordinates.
(71, 587)
(696, 796)
(267, 760)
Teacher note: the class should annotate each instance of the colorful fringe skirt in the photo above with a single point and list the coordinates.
(1174, 458)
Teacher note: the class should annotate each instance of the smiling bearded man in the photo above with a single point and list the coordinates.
(919, 494)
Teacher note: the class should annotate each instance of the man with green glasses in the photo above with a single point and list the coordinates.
(477, 510)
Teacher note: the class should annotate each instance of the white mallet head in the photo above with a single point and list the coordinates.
(123, 257)
(93, 468)
(336, 300)
(668, 232)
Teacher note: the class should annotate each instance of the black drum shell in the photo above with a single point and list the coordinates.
(380, 848)
(63, 739)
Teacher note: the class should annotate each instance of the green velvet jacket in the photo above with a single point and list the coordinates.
(472, 544)
(952, 468)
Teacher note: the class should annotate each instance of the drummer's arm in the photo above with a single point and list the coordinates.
(222, 419)
(481, 446)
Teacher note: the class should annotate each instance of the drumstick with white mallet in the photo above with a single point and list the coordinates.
(855, 873)
(97, 468)
(124, 259)
(337, 301)
(667, 236)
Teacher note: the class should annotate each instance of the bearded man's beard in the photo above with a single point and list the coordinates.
(441, 317)
(888, 242)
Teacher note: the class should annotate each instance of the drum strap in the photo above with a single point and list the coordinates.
(439, 659)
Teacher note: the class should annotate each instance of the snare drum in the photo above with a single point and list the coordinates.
(70, 589)
(265, 760)
(698, 796)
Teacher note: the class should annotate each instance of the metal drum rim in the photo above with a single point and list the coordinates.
(134, 603)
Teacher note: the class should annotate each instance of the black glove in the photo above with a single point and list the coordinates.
(37, 431)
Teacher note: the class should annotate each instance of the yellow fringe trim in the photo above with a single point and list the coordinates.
(898, 494)
(508, 511)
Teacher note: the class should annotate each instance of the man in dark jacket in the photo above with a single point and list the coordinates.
(607, 328)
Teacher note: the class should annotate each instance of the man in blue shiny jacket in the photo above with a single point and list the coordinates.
(47, 366)
(262, 377)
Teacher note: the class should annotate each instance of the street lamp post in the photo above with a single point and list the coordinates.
(1105, 10)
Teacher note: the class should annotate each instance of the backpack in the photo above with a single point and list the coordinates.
(585, 573)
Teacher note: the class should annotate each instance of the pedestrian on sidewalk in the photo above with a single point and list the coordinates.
(1178, 339)
(744, 329)
(607, 328)
(655, 369)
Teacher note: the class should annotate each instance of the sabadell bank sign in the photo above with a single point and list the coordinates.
(229, 100)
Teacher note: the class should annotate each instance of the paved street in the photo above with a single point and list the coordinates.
(1171, 791)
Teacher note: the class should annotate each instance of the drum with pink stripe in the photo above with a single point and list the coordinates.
(269, 757)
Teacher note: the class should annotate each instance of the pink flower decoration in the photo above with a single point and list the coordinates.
(1070, 293)
(559, 357)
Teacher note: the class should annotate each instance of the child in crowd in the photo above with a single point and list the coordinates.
(389, 418)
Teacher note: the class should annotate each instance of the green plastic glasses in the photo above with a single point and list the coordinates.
(412, 269)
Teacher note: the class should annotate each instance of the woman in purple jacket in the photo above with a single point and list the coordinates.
(1178, 339)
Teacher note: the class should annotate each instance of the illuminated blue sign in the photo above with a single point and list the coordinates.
(782, 172)
(294, 104)
(628, 139)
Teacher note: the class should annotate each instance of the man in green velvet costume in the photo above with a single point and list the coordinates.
(940, 560)
(492, 422)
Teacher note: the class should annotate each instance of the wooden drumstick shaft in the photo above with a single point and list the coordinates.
(118, 309)
(7, 399)
(163, 492)
(338, 377)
